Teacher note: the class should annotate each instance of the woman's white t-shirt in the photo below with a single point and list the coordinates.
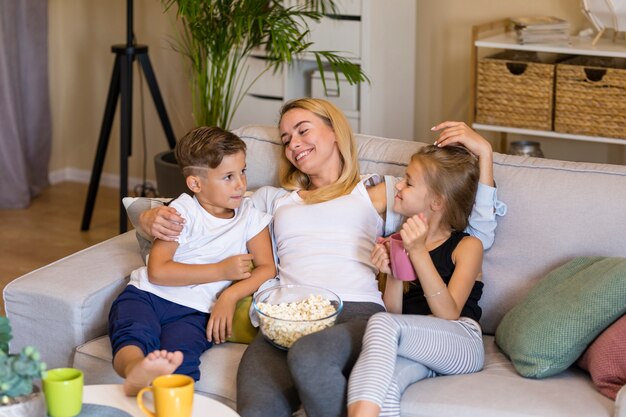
(326, 244)
(205, 239)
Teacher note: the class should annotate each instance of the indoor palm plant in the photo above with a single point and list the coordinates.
(218, 36)
(18, 372)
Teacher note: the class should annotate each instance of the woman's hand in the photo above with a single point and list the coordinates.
(452, 133)
(380, 255)
(163, 223)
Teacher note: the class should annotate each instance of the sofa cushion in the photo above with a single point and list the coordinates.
(605, 359)
(243, 331)
(498, 391)
(557, 210)
(545, 333)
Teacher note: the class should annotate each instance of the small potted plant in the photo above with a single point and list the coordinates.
(19, 396)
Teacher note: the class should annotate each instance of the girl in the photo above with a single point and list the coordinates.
(431, 328)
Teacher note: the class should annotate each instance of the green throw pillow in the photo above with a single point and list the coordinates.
(243, 330)
(546, 332)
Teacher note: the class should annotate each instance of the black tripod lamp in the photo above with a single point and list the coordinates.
(122, 86)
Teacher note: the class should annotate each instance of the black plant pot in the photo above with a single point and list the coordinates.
(170, 179)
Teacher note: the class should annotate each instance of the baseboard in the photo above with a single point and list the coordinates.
(84, 176)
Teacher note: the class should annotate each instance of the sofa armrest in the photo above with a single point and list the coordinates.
(620, 403)
(66, 303)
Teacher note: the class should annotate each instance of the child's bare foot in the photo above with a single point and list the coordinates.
(157, 363)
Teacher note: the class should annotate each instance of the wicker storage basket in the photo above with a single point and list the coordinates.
(516, 89)
(591, 97)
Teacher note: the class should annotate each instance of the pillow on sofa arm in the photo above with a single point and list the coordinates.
(605, 359)
(549, 330)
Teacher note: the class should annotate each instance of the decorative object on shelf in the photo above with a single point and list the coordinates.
(541, 29)
(219, 36)
(18, 372)
(525, 148)
(605, 14)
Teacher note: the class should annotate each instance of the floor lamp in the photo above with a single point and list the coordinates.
(122, 85)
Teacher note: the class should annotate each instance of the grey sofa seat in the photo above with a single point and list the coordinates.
(556, 211)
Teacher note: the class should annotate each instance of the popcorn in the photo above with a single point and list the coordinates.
(290, 321)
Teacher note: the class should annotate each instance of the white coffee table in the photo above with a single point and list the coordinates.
(113, 396)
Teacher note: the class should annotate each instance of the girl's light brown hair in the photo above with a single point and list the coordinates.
(452, 173)
(291, 178)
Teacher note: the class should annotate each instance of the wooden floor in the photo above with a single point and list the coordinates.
(50, 229)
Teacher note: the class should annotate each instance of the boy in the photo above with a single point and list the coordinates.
(173, 309)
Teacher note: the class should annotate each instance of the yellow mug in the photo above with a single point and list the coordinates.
(173, 396)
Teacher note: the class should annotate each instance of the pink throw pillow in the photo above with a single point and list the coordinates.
(605, 359)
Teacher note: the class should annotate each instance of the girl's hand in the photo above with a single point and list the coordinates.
(237, 267)
(163, 223)
(460, 133)
(380, 255)
(414, 232)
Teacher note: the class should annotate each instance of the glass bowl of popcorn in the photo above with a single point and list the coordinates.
(288, 312)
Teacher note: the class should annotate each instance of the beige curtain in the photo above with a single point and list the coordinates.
(25, 125)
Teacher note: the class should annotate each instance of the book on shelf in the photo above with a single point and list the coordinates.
(541, 29)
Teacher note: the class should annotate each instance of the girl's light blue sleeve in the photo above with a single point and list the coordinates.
(482, 221)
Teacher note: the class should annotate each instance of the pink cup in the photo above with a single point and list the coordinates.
(401, 266)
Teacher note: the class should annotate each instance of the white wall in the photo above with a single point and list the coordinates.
(82, 32)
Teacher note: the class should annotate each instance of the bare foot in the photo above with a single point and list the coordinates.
(157, 363)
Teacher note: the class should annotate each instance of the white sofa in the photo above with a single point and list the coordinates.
(556, 211)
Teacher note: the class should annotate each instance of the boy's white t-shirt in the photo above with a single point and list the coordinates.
(205, 239)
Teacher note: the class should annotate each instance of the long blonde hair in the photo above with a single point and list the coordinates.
(291, 178)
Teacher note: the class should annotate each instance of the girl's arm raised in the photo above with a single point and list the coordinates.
(453, 133)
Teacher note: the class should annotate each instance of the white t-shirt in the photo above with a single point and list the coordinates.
(205, 239)
(326, 244)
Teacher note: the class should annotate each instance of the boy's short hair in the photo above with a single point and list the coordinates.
(205, 147)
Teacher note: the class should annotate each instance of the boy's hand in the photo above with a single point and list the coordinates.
(220, 325)
(380, 255)
(237, 267)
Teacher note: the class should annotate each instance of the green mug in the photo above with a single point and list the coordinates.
(63, 389)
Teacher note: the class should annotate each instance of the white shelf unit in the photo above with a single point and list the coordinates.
(381, 39)
(507, 41)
